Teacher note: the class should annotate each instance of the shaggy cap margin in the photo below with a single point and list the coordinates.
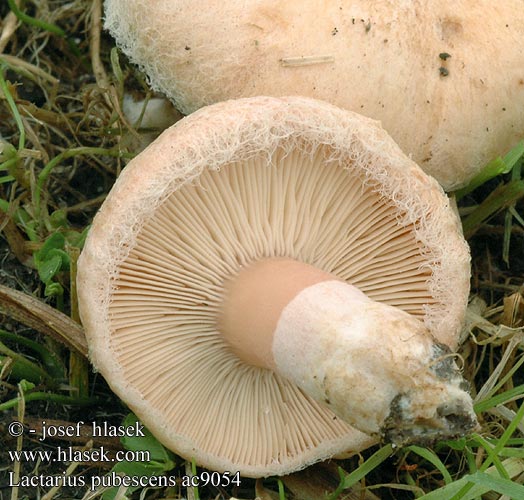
(234, 131)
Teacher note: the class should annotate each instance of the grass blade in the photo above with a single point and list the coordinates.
(502, 197)
(494, 168)
(371, 463)
(500, 485)
(513, 467)
(433, 459)
(499, 399)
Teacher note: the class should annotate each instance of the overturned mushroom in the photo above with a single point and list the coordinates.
(445, 78)
(272, 282)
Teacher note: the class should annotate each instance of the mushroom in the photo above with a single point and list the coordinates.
(445, 78)
(272, 282)
(150, 117)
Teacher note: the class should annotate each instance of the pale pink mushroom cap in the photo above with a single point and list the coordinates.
(230, 185)
(444, 77)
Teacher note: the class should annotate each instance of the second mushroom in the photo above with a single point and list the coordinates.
(273, 282)
(444, 77)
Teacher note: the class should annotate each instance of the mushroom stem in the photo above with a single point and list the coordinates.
(375, 366)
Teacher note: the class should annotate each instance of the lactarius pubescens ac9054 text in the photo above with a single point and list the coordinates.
(445, 77)
(273, 282)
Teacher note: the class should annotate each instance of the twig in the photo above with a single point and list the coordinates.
(51, 493)
(10, 22)
(33, 313)
(94, 45)
(16, 62)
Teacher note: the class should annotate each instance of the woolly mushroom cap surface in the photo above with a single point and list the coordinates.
(232, 184)
(445, 77)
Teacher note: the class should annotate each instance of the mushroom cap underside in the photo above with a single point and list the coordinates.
(236, 182)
